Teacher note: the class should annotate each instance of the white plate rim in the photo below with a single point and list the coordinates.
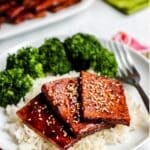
(28, 42)
(66, 13)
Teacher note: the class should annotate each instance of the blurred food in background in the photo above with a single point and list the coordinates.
(129, 6)
(16, 11)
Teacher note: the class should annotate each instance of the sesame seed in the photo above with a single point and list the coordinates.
(39, 110)
(53, 131)
(64, 133)
(29, 119)
(40, 118)
(35, 102)
(57, 137)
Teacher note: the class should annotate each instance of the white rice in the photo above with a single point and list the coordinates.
(26, 139)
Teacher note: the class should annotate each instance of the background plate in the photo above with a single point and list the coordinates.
(135, 138)
(8, 30)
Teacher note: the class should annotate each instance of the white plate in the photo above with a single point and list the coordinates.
(8, 30)
(135, 139)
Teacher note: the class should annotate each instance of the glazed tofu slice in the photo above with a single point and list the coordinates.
(38, 116)
(103, 99)
(63, 96)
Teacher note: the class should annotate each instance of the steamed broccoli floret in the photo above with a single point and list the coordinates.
(86, 52)
(28, 60)
(13, 85)
(53, 57)
(106, 64)
(82, 49)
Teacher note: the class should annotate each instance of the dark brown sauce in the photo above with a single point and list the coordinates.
(63, 96)
(38, 116)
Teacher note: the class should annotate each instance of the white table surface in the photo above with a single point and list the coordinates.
(99, 19)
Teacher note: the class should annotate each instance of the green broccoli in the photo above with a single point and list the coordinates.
(79, 52)
(106, 64)
(28, 60)
(86, 52)
(82, 49)
(53, 57)
(13, 85)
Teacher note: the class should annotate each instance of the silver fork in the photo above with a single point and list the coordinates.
(127, 71)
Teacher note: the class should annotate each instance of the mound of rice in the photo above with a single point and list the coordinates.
(26, 139)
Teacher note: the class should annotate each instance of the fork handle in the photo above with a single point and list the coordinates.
(143, 96)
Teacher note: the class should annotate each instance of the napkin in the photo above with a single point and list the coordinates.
(129, 6)
(132, 43)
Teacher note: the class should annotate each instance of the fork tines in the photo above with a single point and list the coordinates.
(127, 70)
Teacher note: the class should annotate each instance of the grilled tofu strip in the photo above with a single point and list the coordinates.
(38, 116)
(103, 99)
(63, 5)
(63, 96)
